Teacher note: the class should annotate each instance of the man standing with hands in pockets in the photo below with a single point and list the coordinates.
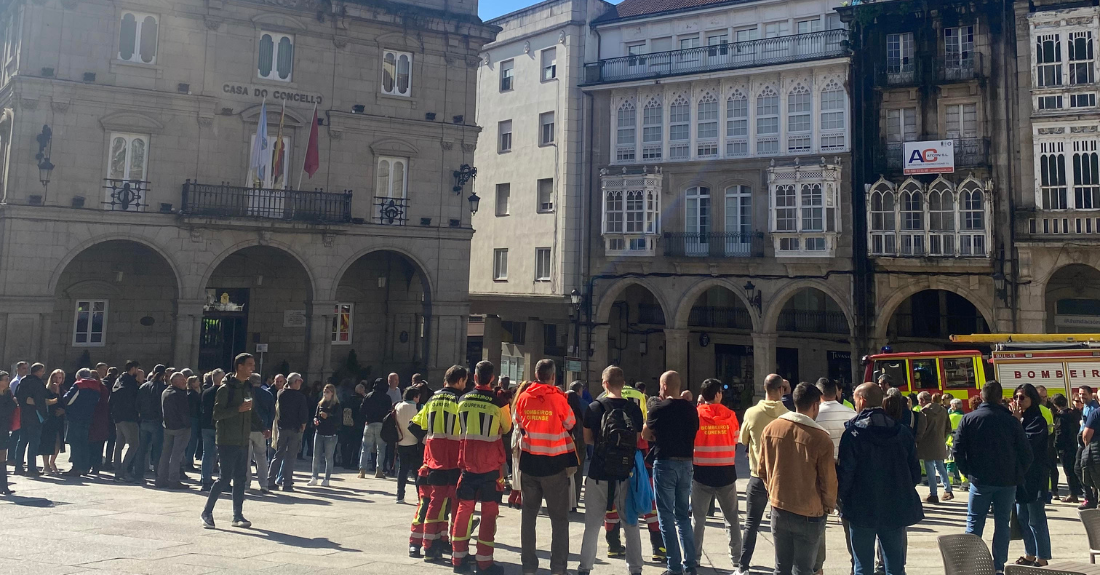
(233, 420)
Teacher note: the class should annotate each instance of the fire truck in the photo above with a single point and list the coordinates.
(1060, 362)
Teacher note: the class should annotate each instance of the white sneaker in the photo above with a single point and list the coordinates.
(324, 483)
(312, 482)
(739, 571)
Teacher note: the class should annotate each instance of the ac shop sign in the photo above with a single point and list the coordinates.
(929, 157)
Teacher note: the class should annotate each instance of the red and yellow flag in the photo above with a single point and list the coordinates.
(278, 168)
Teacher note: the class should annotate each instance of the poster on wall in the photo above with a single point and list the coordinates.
(929, 157)
(294, 318)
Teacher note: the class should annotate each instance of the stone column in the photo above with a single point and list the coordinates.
(490, 340)
(763, 354)
(319, 340)
(676, 352)
(447, 337)
(188, 318)
(598, 360)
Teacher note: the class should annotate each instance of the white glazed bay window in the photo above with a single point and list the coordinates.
(940, 219)
(631, 213)
(803, 202)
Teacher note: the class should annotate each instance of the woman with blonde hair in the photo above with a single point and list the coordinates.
(326, 421)
(54, 425)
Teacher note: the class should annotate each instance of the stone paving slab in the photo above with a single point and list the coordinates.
(100, 527)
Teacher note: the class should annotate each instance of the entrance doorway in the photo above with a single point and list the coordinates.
(786, 364)
(733, 365)
(840, 367)
(224, 328)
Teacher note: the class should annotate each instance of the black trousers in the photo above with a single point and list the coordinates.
(409, 460)
(235, 469)
(756, 500)
(1069, 460)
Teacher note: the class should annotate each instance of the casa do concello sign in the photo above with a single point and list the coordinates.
(261, 93)
(929, 157)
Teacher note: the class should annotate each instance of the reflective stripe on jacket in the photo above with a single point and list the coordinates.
(544, 415)
(716, 440)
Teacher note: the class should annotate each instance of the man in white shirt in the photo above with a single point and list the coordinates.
(408, 446)
(833, 416)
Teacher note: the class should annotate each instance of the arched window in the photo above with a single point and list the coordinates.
(786, 209)
(613, 213)
(972, 228)
(737, 125)
(883, 224)
(833, 124)
(391, 177)
(799, 124)
(697, 221)
(626, 129)
(679, 129)
(767, 122)
(912, 218)
(941, 218)
(652, 130)
(706, 136)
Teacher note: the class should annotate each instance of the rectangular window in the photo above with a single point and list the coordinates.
(1086, 175)
(959, 47)
(679, 132)
(392, 180)
(786, 209)
(737, 126)
(276, 59)
(1048, 60)
(833, 21)
(504, 194)
(832, 118)
(542, 264)
(1082, 65)
(546, 128)
(613, 213)
(652, 131)
(500, 264)
(747, 34)
(396, 73)
(1082, 100)
(813, 211)
(546, 195)
(1050, 102)
(626, 118)
(128, 157)
(901, 125)
(505, 130)
(799, 123)
(90, 323)
(549, 64)
(137, 38)
(777, 29)
(1052, 175)
(341, 324)
(717, 44)
(807, 26)
(707, 128)
(767, 123)
(899, 53)
(687, 53)
(961, 121)
(506, 72)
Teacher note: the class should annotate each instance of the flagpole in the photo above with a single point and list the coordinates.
(303, 171)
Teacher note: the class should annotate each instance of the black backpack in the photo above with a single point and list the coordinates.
(617, 442)
(389, 428)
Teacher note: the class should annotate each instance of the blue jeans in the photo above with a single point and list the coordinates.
(324, 448)
(1001, 498)
(209, 455)
(372, 443)
(893, 543)
(1033, 528)
(77, 437)
(672, 485)
(150, 443)
(933, 467)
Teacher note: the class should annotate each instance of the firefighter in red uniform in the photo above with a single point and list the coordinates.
(437, 423)
(483, 418)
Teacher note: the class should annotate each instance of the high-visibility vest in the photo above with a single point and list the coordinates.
(439, 418)
(716, 440)
(482, 423)
(544, 415)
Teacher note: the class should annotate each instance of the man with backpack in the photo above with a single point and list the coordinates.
(483, 419)
(613, 425)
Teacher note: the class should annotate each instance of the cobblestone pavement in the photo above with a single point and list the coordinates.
(55, 526)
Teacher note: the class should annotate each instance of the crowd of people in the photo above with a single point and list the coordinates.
(662, 460)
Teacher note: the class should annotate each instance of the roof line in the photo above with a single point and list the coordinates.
(533, 8)
(601, 20)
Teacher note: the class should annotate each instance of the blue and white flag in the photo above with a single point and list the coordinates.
(261, 154)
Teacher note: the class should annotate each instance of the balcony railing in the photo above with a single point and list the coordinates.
(728, 317)
(750, 54)
(971, 152)
(391, 211)
(936, 325)
(1055, 225)
(961, 69)
(126, 195)
(713, 244)
(651, 313)
(812, 321)
(899, 74)
(225, 201)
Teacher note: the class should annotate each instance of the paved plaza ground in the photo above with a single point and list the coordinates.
(59, 527)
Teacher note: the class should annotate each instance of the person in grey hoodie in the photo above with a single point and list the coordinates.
(177, 432)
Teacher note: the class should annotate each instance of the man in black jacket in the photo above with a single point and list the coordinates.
(31, 395)
(376, 405)
(991, 449)
(151, 425)
(293, 410)
(124, 411)
(206, 427)
(176, 412)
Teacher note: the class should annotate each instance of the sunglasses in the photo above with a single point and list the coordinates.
(1020, 396)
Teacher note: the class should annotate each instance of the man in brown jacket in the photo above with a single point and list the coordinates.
(932, 436)
(797, 466)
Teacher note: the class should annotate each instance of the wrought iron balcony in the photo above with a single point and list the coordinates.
(391, 211)
(750, 54)
(125, 195)
(1055, 225)
(728, 317)
(225, 201)
(971, 152)
(812, 321)
(899, 75)
(713, 244)
(963, 69)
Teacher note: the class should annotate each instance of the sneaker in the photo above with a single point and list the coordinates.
(206, 487)
(739, 571)
(379, 474)
(931, 499)
(314, 482)
(265, 491)
(242, 523)
(325, 483)
(414, 551)
(616, 552)
(948, 496)
(400, 501)
(362, 474)
(207, 520)
(1086, 504)
(288, 488)
(659, 555)
(1071, 499)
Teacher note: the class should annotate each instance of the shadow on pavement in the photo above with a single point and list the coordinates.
(291, 540)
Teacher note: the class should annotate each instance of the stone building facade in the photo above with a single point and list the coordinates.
(720, 217)
(151, 239)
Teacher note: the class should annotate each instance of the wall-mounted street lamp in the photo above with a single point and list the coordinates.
(45, 148)
(463, 175)
(474, 202)
(755, 296)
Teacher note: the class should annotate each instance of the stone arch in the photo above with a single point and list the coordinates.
(429, 285)
(197, 290)
(779, 301)
(603, 310)
(118, 236)
(890, 305)
(683, 311)
(1073, 283)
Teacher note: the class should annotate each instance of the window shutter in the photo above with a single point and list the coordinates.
(267, 50)
(830, 217)
(148, 45)
(286, 58)
(127, 37)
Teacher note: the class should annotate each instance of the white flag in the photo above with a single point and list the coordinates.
(261, 154)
